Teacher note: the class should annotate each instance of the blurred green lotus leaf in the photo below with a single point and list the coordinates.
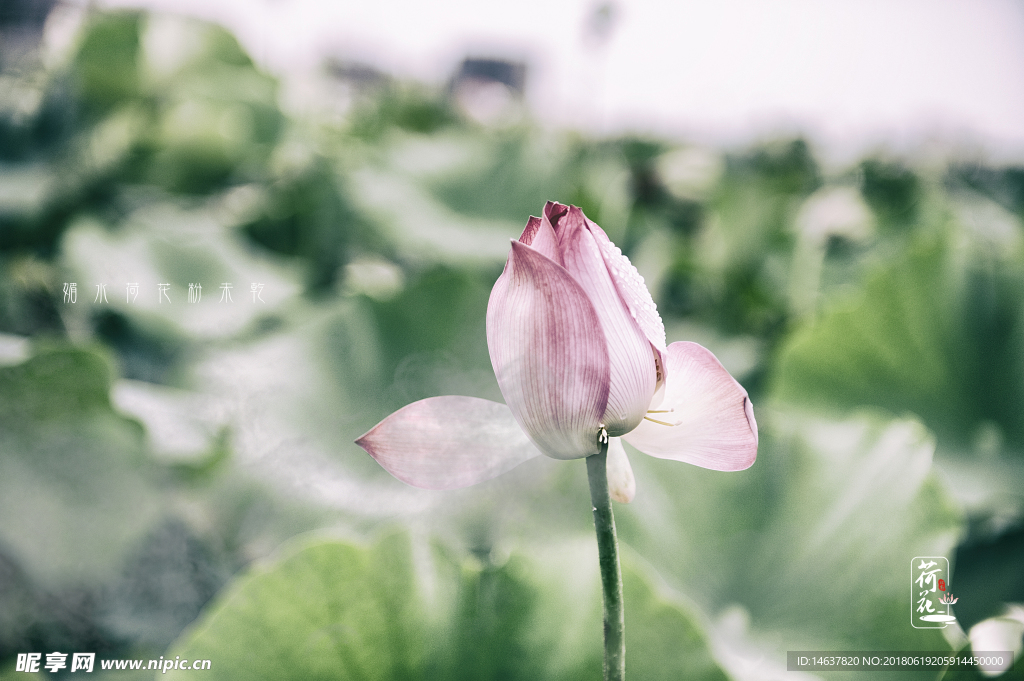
(988, 574)
(74, 486)
(60, 384)
(731, 263)
(814, 541)
(507, 178)
(106, 65)
(400, 610)
(936, 332)
(307, 216)
(216, 117)
(893, 191)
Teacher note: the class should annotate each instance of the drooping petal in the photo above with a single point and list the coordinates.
(549, 354)
(633, 375)
(711, 417)
(448, 442)
(621, 483)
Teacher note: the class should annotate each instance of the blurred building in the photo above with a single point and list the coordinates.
(21, 28)
(490, 91)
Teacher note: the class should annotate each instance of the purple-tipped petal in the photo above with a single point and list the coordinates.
(448, 442)
(712, 419)
(621, 483)
(530, 231)
(540, 236)
(553, 212)
(633, 374)
(549, 354)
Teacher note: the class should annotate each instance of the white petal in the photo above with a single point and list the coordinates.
(621, 483)
(999, 633)
(711, 422)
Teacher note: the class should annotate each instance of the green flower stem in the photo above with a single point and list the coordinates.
(611, 574)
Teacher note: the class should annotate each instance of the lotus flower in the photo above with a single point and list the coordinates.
(947, 599)
(579, 352)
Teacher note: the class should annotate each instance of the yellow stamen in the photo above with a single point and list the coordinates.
(661, 423)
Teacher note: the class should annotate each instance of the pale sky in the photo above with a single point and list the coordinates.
(853, 73)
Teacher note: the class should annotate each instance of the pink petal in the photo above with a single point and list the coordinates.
(633, 374)
(448, 442)
(549, 354)
(713, 418)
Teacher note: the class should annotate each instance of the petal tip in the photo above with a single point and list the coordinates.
(555, 210)
(748, 409)
(365, 441)
(622, 498)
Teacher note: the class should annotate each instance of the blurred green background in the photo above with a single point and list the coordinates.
(181, 480)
